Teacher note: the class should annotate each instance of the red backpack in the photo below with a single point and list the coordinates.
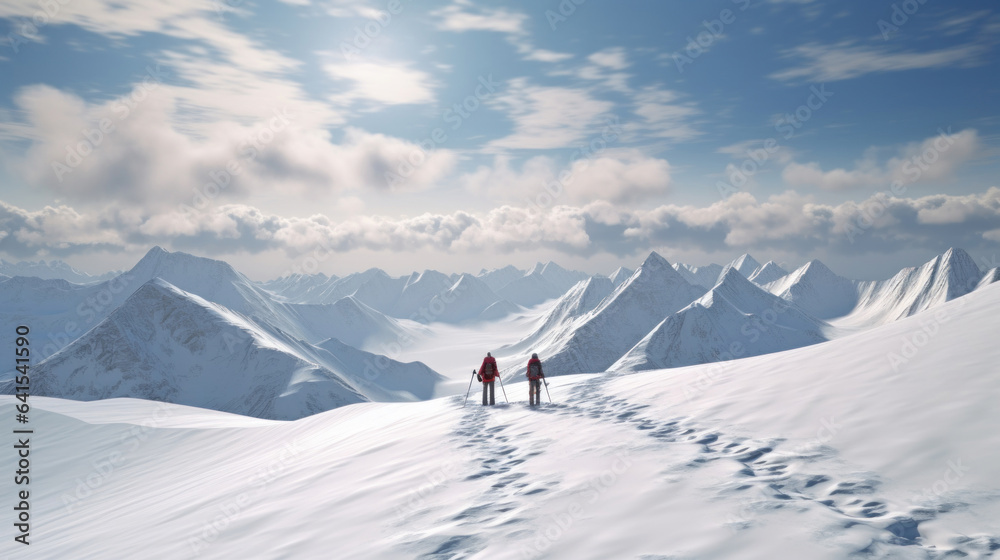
(489, 370)
(534, 369)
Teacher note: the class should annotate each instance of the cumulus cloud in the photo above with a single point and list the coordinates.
(135, 154)
(617, 176)
(933, 159)
(787, 222)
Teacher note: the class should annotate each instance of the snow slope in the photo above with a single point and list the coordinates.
(347, 320)
(815, 289)
(598, 339)
(735, 319)
(378, 377)
(768, 273)
(577, 302)
(825, 453)
(944, 278)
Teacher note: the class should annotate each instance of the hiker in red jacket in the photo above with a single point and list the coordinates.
(487, 374)
(535, 377)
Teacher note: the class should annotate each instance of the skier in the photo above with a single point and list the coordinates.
(488, 374)
(535, 377)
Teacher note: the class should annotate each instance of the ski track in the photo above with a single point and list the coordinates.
(774, 476)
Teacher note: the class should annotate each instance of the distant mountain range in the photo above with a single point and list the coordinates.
(191, 330)
(51, 270)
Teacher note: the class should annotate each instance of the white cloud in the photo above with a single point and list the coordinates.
(846, 60)
(548, 117)
(381, 83)
(933, 159)
(543, 55)
(462, 15)
(664, 115)
(144, 160)
(613, 58)
(787, 222)
(617, 176)
(605, 67)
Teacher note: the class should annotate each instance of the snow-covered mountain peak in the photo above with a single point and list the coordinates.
(428, 276)
(943, 278)
(768, 273)
(745, 264)
(992, 276)
(620, 275)
(960, 269)
(655, 262)
(160, 262)
(817, 290)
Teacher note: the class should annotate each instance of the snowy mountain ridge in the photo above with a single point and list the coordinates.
(168, 345)
(735, 319)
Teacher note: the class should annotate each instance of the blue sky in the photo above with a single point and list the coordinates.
(861, 133)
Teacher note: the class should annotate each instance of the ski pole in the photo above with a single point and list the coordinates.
(547, 390)
(469, 390)
(502, 389)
